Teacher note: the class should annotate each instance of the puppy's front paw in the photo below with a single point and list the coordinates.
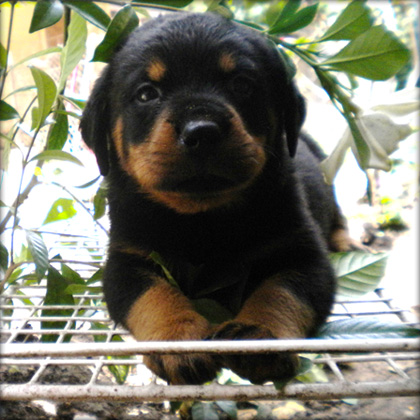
(183, 369)
(258, 368)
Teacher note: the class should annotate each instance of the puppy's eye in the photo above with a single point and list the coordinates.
(242, 86)
(147, 93)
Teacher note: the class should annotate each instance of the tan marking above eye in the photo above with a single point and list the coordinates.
(227, 62)
(156, 70)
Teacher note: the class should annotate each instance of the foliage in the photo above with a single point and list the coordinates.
(371, 51)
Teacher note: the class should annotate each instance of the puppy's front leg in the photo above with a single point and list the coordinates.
(154, 310)
(273, 311)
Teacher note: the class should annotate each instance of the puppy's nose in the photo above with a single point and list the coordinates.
(199, 135)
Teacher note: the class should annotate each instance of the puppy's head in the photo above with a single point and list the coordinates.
(192, 107)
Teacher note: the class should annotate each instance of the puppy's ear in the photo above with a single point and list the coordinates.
(290, 103)
(293, 117)
(96, 124)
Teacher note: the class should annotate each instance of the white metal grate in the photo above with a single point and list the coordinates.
(85, 344)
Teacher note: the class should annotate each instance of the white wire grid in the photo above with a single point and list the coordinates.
(77, 367)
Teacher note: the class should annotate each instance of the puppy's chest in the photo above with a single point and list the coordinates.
(226, 282)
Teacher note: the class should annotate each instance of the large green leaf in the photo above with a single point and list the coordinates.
(56, 295)
(56, 155)
(47, 92)
(46, 13)
(375, 54)
(74, 49)
(353, 20)
(296, 21)
(7, 112)
(59, 131)
(38, 251)
(366, 327)
(124, 22)
(91, 12)
(358, 272)
(62, 209)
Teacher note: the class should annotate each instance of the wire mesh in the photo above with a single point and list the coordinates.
(91, 356)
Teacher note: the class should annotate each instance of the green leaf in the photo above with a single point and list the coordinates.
(22, 89)
(376, 55)
(219, 7)
(72, 277)
(24, 255)
(100, 201)
(366, 327)
(59, 131)
(78, 103)
(90, 183)
(91, 12)
(124, 22)
(56, 295)
(62, 209)
(97, 276)
(353, 21)
(295, 22)
(159, 260)
(310, 372)
(358, 272)
(211, 310)
(3, 57)
(79, 289)
(287, 12)
(38, 251)
(4, 257)
(7, 112)
(74, 49)
(170, 3)
(204, 411)
(35, 117)
(228, 407)
(46, 13)
(57, 155)
(47, 92)
(120, 372)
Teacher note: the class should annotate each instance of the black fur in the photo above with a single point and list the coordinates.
(283, 221)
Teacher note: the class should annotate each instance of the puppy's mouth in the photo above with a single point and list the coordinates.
(200, 185)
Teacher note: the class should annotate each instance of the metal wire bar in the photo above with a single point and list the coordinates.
(220, 347)
(213, 392)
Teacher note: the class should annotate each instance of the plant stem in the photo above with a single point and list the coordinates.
(9, 40)
(81, 203)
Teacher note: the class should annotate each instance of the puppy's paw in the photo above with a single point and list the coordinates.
(258, 368)
(191, 369)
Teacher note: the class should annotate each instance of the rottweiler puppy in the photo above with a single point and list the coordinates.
(195, 122)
